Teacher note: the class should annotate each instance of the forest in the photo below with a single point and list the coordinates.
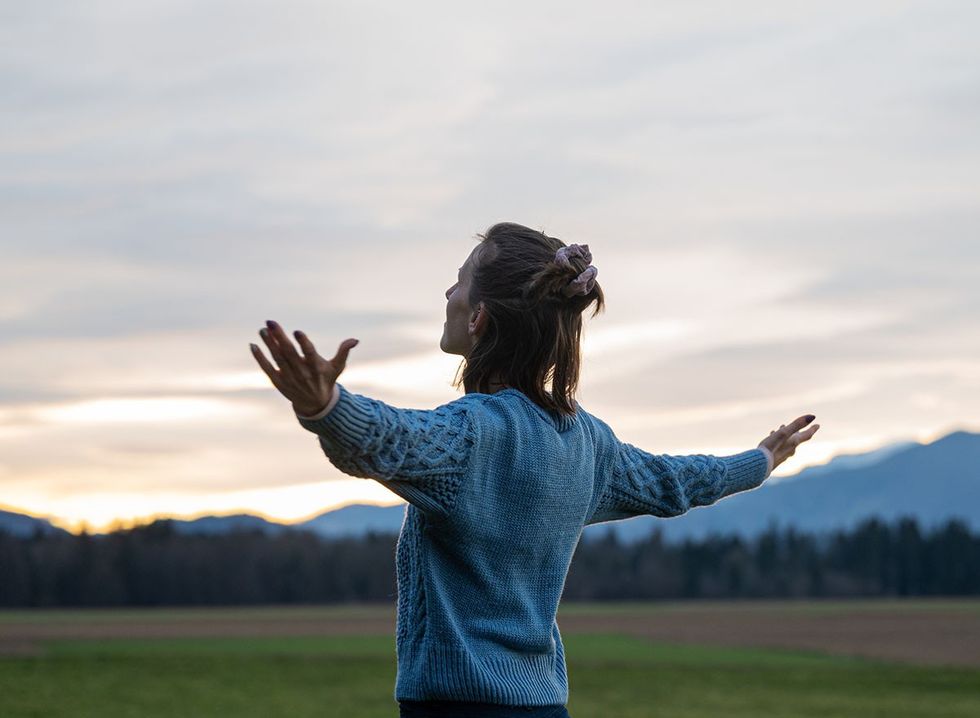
(153, 565)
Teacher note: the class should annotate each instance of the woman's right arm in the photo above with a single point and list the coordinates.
(420, 455)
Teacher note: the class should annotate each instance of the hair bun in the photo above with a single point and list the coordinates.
(585, 281)
(564, 254)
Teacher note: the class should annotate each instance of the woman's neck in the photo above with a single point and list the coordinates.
(496, 386)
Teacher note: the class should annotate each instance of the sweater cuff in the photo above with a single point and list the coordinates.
(350, 418)
(746, 471)
(770, 460)
(326, 410)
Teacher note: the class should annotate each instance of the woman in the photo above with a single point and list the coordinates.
(501, 481)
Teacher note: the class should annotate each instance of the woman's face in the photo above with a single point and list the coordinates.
(463, 322)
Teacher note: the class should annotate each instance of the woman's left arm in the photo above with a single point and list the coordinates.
(640, 483)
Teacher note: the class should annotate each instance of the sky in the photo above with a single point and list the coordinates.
(782, 199)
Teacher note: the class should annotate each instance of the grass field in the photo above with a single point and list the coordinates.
(353, 675)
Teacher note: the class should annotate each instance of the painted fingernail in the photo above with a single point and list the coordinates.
(262, 332)
(253, 347)
(810, 417)
(269, 323)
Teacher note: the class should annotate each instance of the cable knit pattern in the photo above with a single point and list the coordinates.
(499, 490)
(411, 616)
(419, 454)
(683, 482)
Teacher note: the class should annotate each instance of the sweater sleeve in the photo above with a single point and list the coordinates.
(640, 483)
(420, 455)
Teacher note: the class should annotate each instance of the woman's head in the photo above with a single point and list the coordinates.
(509, 316)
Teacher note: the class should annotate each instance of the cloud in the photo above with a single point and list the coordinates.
(781, 199)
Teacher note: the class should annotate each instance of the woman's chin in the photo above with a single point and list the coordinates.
(445, 347)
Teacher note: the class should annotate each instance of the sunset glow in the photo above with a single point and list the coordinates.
(782, 203)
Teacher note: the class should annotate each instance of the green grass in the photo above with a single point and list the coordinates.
(354, 677)
(569, 608)
(171, 614)
(803, 606)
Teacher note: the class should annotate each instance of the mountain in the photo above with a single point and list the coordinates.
(24, 526)
(226, 524)
(929, 482)
(356, 519)
(856, 461)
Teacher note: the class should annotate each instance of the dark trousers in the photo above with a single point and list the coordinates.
(453, 709)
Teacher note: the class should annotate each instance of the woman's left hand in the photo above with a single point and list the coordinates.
(783, 441)
(306, 379)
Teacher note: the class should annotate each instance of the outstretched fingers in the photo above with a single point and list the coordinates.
(273, 346)
(309, 351)
(265, 365)
(798, 438)
(787, 430)
(808, 434)
(339, 360)
(287, 352)
(783, 441)
(303, 378)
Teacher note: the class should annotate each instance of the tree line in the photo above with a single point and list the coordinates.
(154, 565)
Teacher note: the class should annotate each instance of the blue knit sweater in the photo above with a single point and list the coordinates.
(499, 490)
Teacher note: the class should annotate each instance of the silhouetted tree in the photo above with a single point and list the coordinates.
(155, 565)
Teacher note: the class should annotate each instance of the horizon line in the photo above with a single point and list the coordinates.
(146, 520)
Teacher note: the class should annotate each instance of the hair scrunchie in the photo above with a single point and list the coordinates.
(584, 282)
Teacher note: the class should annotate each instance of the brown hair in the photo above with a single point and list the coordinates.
(533, 332)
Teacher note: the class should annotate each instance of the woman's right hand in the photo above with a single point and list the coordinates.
(306, 379)
(782, 442)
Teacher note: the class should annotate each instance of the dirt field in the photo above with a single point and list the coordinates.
(920, 631)
(924, 637)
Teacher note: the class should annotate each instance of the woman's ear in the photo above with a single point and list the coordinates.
(478, 320)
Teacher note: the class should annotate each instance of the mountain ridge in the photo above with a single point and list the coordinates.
(886, 482)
